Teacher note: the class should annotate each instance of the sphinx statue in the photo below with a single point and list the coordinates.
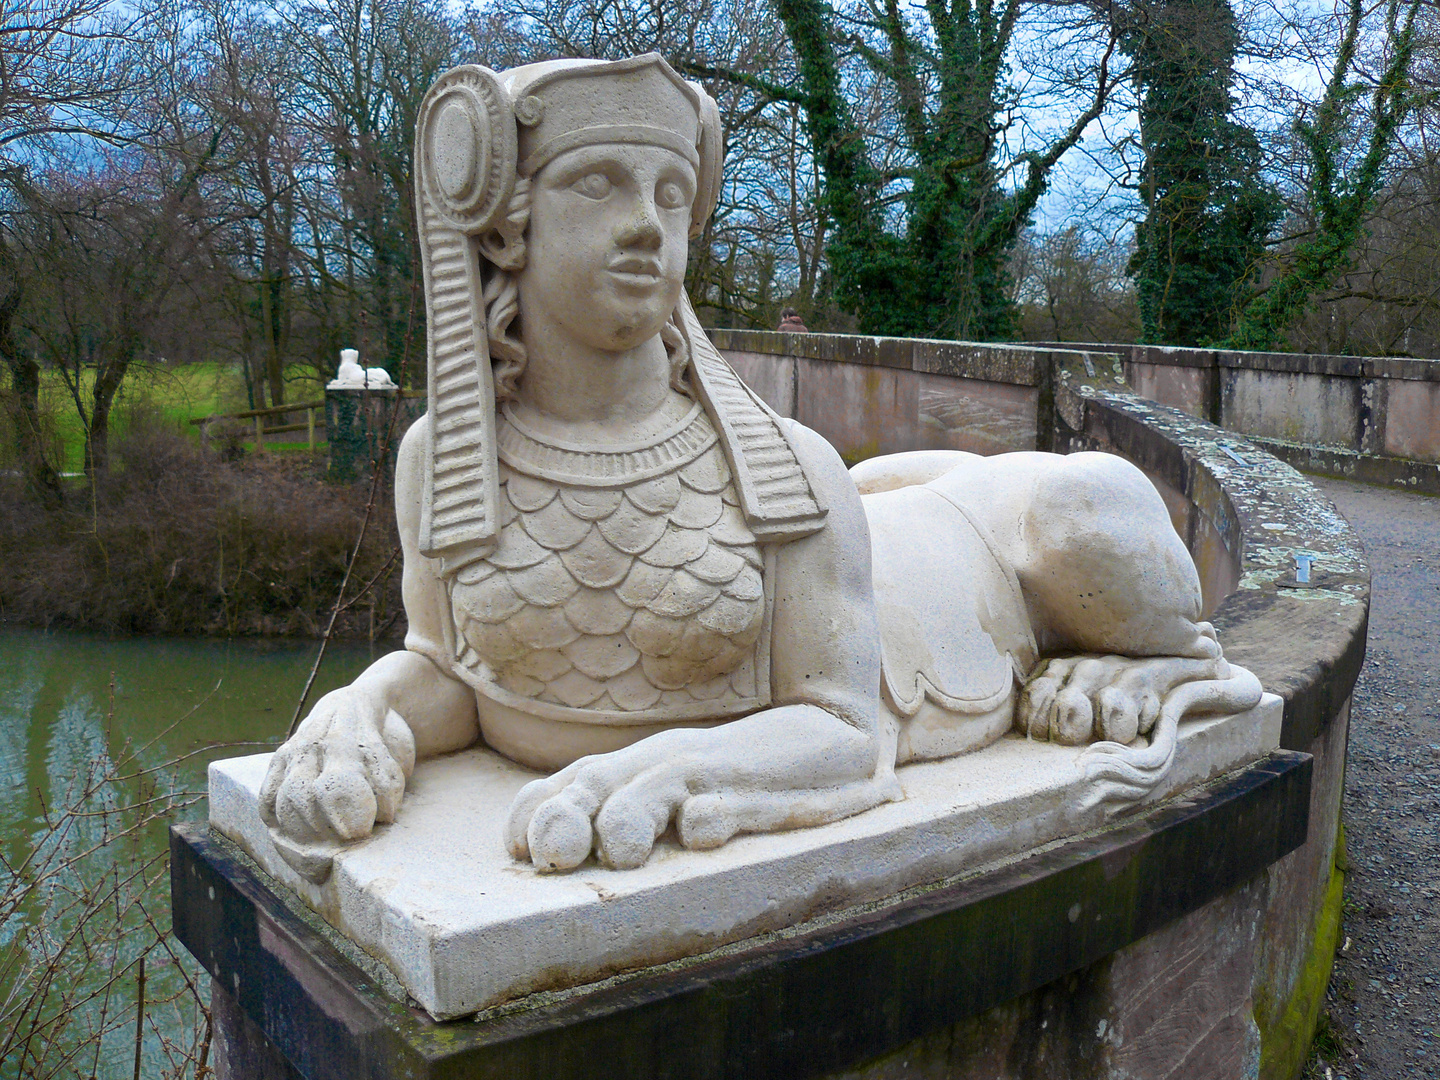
(625, 571)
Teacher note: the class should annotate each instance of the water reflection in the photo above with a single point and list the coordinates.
(177, 695)
(81, 900)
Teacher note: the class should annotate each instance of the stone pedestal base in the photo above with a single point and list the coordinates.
(1124, 953)
(465, 927)
(238, 1045)
(1176, 1005)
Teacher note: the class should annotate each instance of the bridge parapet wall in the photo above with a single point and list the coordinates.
(1244, 513)
(1375, 419)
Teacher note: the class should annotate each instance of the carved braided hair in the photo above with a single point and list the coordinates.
(503, 255)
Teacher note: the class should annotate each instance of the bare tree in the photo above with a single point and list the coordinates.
(262, 153)
(67, 77)
(364, 66)
(1071, 285)
(115, 265)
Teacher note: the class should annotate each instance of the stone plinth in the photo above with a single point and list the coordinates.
(464, 927)
(1018, 963)
(357, 421)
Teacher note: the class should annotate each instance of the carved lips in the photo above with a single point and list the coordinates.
(636, 272)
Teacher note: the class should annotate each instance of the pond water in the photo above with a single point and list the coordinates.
(144, 716)
(173, 696)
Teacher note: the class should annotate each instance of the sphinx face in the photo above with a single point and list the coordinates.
(606, 245)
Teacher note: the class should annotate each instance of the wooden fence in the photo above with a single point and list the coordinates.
(259, 416)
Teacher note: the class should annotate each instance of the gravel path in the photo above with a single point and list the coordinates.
(1384, 999)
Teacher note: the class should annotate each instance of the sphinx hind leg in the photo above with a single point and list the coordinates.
(890, 471)
(1114, 599)
(1099, 562)
(1102, 567)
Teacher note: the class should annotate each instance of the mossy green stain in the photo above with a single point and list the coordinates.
(1287, 1028)
(866, 450)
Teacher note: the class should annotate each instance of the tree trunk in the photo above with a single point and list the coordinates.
(108, 377)
(97, 441)
(23, 401)
(24, 407)
(271, 316)
(946, 273)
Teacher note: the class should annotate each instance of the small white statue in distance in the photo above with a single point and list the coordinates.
(622, 569)
(351, 376)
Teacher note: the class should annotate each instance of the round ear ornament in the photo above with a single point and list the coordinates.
(712, 162)
(467, 148)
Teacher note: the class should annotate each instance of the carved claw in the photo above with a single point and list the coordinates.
(333, 781)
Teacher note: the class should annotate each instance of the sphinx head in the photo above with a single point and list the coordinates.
(558, 197)
(617, 165)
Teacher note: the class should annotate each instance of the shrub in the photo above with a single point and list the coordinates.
(178, 541)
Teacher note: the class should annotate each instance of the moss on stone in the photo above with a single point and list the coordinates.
(1286, 1028)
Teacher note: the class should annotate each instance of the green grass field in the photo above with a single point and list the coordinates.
(168, 394)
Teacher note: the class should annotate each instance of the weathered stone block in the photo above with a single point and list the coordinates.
(1023, 950)
(464, 926)
(1412, 422)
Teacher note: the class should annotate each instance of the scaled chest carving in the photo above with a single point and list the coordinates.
(625, 583)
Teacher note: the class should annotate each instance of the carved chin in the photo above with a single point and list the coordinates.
(630, 320)
(634, 330)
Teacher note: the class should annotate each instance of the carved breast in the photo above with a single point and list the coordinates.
(623, 581)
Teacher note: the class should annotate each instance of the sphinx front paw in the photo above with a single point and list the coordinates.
(711, 785)
(615, 805)
(328, 785)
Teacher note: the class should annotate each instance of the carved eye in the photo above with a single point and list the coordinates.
(594, 186)
(670, 195)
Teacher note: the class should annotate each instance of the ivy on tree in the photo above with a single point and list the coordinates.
(1208, 211)
(921, 251)
(1336, 199)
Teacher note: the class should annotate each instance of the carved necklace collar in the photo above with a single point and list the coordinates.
(524, 449)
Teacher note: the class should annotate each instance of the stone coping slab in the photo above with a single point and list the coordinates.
(822, 998)
(1016, 361)
(1019, 364)
(1338, 365)
(464, 927)
(1404, 474)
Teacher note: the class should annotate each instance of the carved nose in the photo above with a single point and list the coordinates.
(641, 231)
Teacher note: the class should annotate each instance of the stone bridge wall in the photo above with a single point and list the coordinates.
(1244, 515)
(1375, 419)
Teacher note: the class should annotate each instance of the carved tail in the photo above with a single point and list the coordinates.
(1124, 774)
